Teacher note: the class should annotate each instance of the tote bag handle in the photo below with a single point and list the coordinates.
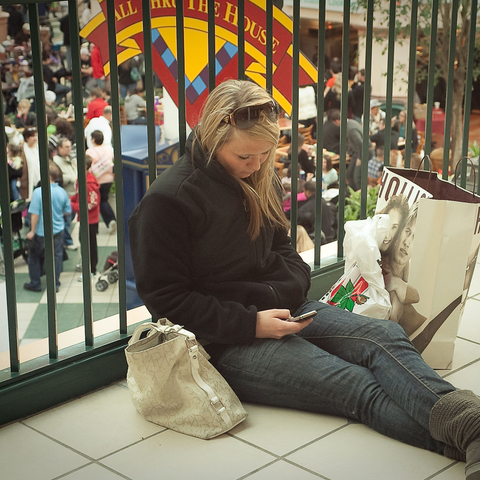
(159, 328)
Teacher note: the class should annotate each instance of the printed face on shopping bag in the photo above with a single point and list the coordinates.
(395, 220)
(403, 248)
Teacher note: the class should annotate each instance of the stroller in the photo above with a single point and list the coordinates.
(109, 274)
(19, 244)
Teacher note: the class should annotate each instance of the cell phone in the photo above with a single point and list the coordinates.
(303, 317)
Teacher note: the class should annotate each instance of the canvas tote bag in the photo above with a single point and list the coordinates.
(174, 385)
(443, 248)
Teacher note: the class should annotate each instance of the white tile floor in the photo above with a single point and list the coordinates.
(101, 437)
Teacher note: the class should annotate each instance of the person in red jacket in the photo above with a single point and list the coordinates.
(97, 104)
(93, 202)
(98, 73)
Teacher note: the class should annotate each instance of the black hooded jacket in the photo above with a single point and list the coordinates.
(194, 262)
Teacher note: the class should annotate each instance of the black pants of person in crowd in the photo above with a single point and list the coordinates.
(105, 208)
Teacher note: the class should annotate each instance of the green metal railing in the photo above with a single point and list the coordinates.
(98, 361)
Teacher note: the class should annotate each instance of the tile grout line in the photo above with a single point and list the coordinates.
(463, 366)
(444, 469)
(121, 475)
(92, 460)
(284, 456)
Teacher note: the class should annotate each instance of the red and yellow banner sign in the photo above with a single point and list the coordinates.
(128, 15)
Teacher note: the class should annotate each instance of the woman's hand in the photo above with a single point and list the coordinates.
(273, 324)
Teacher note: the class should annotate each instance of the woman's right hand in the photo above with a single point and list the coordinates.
(273, 324)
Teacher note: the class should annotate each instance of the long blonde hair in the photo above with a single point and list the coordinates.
(262, 188)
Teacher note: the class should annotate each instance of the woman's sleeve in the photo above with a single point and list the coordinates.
(283, 246)
(161, 234)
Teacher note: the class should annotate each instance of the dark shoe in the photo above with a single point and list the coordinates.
(31, 288)
(472, 468)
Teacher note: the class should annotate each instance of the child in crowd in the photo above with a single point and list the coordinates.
(102, 168)
(14, 161)
(60, 207)
(93, 203)
(25, 117)
(375, 167)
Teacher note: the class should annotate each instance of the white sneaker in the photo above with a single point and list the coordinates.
(80, 278)
(112, 226)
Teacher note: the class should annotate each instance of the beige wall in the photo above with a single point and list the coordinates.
(3, 25)
(379, 60)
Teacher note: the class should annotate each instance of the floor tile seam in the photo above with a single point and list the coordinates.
(301, 467)
(143, 439)
(283, 457)
(463, 367)
(294, 464)
(444, 469)
(259, 469)
(59, 442)
(88, 457)
(121, 475)
(469, 340)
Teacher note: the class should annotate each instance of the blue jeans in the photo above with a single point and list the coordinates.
(346, 365)
(67, 238)
(61, 91)
(124, 89)
(36, 256)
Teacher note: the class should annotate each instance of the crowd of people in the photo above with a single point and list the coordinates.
(24, 157)
(332, 124)
(21, 120)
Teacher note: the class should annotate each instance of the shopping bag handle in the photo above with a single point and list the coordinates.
(418, 169)
(152, 327)
(473, 168)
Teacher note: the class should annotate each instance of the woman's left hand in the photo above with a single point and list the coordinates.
(273, 324)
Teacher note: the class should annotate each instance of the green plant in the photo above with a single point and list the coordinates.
(353, 203)
(474, 149)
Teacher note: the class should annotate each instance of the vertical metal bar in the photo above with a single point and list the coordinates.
(149, 89)
(269, 44)
(182, 133)
(468, 89)
(49, 261)
(295, 97)
(82, 173)
(117, 156)
(431, 79)
(411, 79)
(449, 96)
(366, 109)
(343, 123)
(320, 112)
(12, 318)
(241, 39)
(390, 58)
(211, 45)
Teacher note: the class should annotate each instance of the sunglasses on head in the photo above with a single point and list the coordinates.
(246, 117)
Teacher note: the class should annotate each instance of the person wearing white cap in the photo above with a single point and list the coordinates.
(23, 37)
(376, 116)
(50, 98)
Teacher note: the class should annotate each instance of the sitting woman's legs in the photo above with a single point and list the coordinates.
(345, 365)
